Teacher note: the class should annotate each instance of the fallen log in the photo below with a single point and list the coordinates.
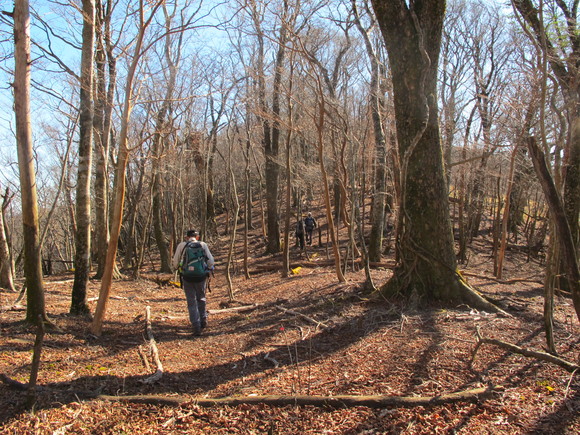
(543, 356)
(343, 401)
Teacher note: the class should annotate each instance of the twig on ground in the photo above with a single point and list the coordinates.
(502, 281)
(14, 307)
(20, 294)
(227, 310)
(569, 382)
(268, 358)
(303, 316)
(153, 349)
(35, 366)
(144, 358)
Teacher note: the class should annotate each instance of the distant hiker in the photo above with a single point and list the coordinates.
(194, 262)
(309, 224)
(300, 233)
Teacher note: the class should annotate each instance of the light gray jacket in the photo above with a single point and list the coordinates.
(179, 253)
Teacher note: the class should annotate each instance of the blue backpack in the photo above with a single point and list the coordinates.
(193, 261)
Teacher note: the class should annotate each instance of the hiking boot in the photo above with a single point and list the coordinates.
(203, 324)
(197, 332)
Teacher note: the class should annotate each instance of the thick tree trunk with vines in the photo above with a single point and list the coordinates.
(427, 266)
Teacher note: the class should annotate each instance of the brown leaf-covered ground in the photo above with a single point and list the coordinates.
(361, 346)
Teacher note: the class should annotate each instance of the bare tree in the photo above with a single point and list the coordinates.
(122, 159)
(173, 46)
(562, 50)
(6, 272)
(377, 107)
(106, 68)
(35, 307)
(83, 194)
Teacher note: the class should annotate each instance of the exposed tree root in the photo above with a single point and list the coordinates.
(475, 299)
(457, 290)
(473, 395)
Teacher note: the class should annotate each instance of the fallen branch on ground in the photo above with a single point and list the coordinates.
(543, 356)
(119, 298)
(296, 313)
(35, 366)
(227, 310)
(502, 281)
(473, 395)
(268, 358)
(20, 295)
(143, 356)
(12, 308)
(153, 349)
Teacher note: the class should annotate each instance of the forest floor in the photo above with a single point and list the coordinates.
(335, 340)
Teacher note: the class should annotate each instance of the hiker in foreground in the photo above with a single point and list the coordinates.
(194, 262)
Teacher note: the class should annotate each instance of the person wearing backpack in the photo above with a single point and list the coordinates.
(300, 233)
(194, 262)
(309, 224)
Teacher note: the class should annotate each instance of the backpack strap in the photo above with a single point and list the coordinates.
(183, 254)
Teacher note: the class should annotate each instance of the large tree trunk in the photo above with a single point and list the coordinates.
(427, 265)
(35, 306)
(83, 197)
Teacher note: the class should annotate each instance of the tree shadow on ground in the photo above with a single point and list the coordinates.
(119, 337)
